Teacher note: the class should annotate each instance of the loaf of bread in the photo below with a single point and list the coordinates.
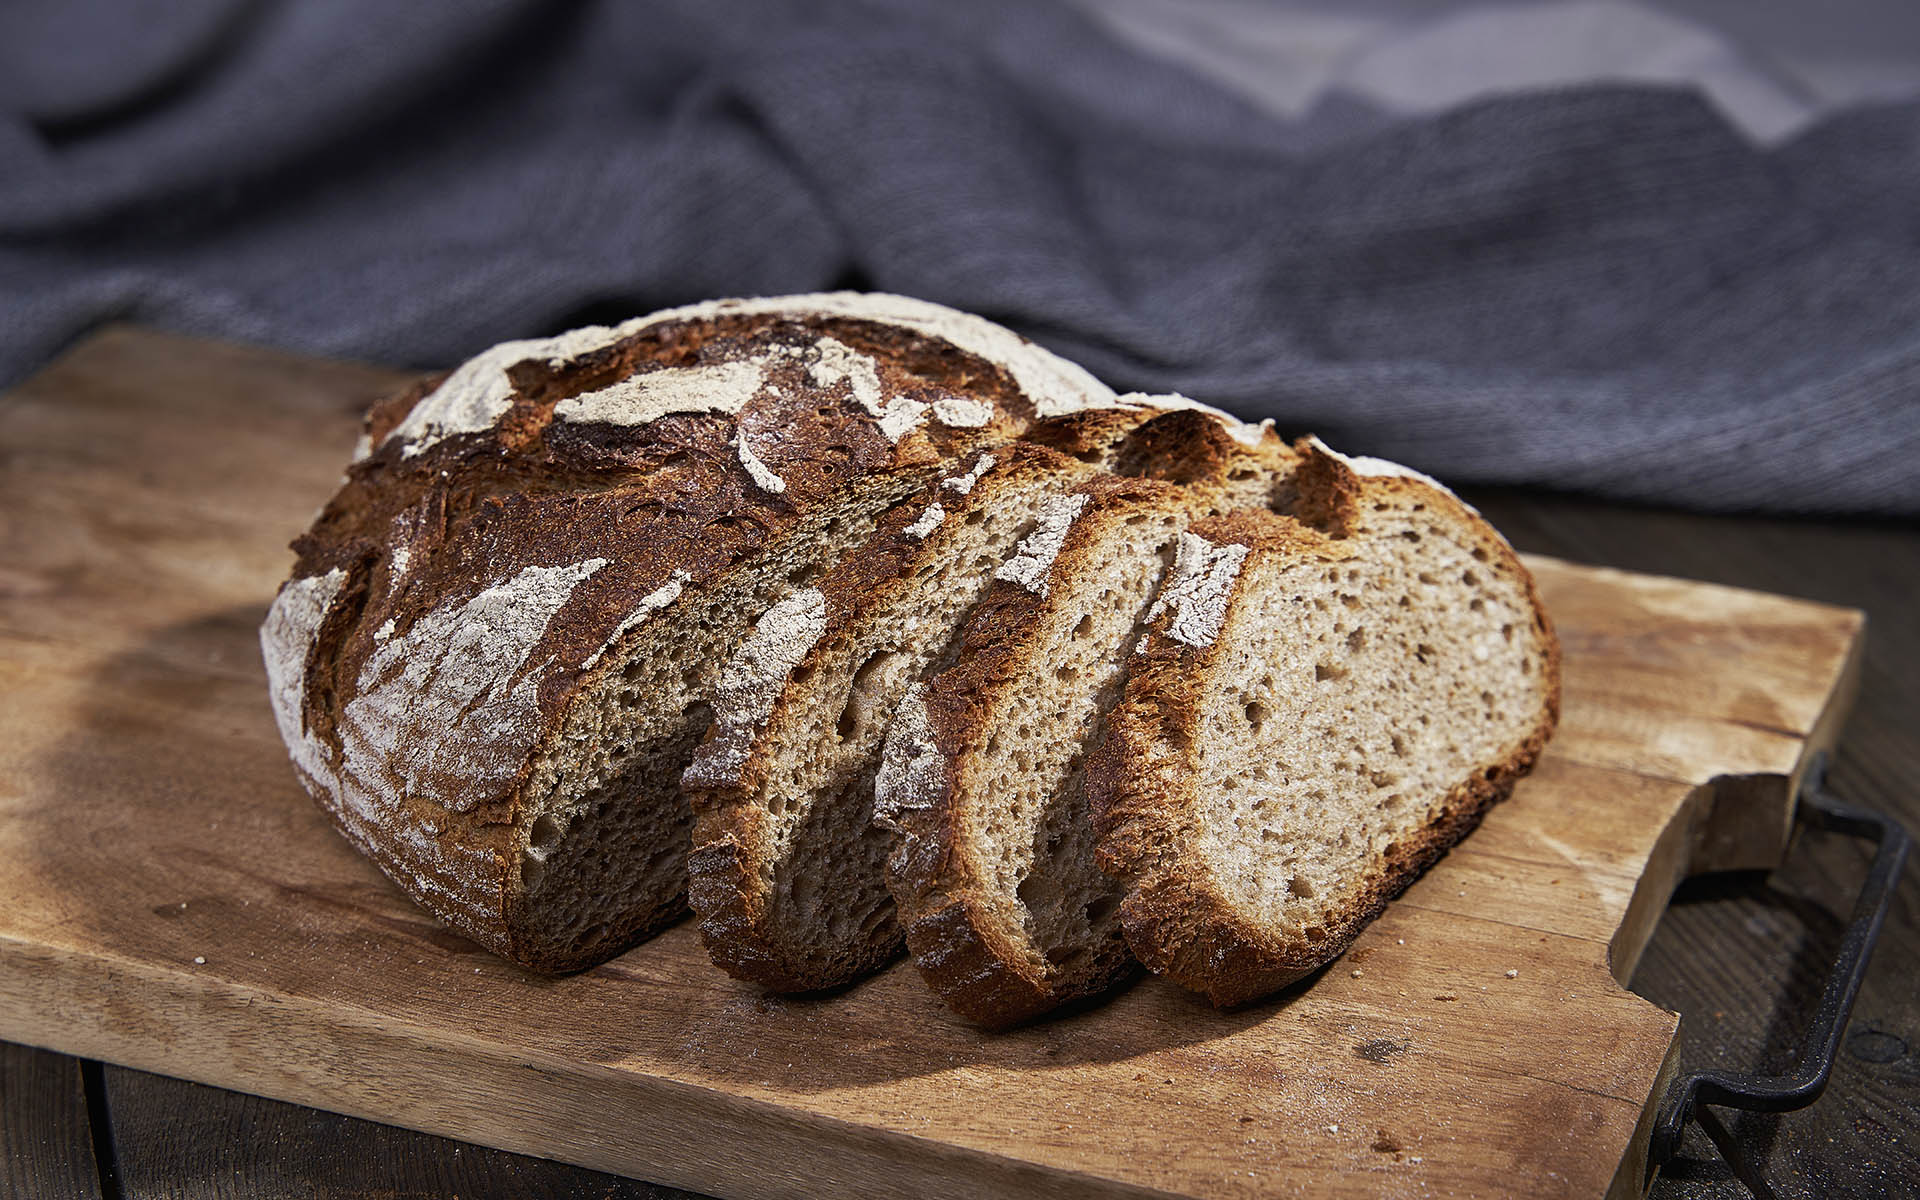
(502, 637)
(877, 624)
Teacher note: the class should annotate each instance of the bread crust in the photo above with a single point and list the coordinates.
(494, 550)
(1143, 779)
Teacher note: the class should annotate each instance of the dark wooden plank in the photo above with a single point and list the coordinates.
(1744, 956)
(190, 1142)
(46, 1140)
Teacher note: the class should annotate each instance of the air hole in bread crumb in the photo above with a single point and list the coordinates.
(1476, 605)
(1257, 714)
(1479, 554)
(1506, 633)
(1314, 933)
(1084, 627)
(976, 516)
(1424, 652)
(1323, 672)
(545, 832)
(1301, 886)
(1409, 535)
(1357, 641)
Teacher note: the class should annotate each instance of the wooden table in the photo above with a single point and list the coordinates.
(1742, 956)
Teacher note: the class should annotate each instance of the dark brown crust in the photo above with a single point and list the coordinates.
(667, 500)
(1142, 779)
(956, 945)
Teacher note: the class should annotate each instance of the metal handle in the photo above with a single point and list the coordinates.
(1687, 1097)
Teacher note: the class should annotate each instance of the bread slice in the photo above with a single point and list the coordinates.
(982, 775)
(1314, 718)
(492, 663)
(787, 869)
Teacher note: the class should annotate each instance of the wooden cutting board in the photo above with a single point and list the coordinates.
(171, 900)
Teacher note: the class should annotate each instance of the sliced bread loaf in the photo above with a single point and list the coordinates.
(787, 870)
(982, 776)
(492, 662)
(1314, 718)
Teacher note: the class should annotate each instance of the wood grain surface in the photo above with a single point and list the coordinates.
(148, 822)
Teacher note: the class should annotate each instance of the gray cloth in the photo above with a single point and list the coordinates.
(1604, 289)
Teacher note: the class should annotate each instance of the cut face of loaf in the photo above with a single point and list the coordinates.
(787, 869)
(1315, 717)
(982, 777)
(492, 662)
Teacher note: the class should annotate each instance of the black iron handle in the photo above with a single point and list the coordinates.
(1687, 1097)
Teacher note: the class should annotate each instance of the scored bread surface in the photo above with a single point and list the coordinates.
(493, 659)
(1315, 716)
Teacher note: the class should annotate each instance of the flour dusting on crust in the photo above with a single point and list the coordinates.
(962, 412)
(1198, 589)
(910, 770)
(479, 393)
(834, 360)
(448, 711)
(641, 399)
(1033, 558)
(1054, 385)
(286, 642)
(751, 683)
(649, 604)
(762, 474)
(927, 522)
(962, 484)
